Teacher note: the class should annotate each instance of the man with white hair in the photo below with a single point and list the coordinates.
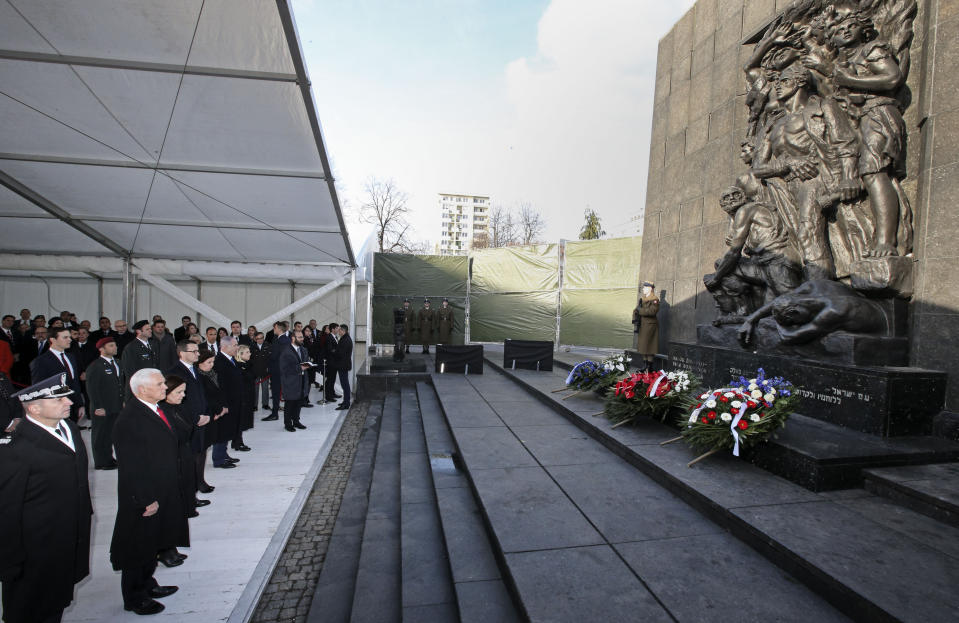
(45, 505)
(150, 516)
(230, 378)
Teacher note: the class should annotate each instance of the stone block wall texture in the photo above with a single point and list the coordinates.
(699, 119)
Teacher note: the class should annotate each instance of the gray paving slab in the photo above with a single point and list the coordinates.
(426, 572)
(910, 524)
(333, 599)
(483, 448)
(416, 482)
(435, 613)
(377, 595)
(528, 412)
(948, 473)
(716, 577)
(467, 545)
(724, 479)
(625, 505)
(581, 584)
(469, 411)
(385, 486)
(528, 511)
(486, 602)
(907, 579)
(562, 444)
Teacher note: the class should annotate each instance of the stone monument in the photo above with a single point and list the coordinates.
(812, 248)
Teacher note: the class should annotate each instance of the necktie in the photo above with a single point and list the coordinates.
(63, 360)
(60, 431)
(163, 417)
(115, 367)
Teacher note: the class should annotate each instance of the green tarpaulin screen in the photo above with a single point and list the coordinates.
(514, 291)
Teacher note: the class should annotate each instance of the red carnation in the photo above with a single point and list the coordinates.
(743, 425)
(723, 399)
(762, 415)
(711, 415)
(705, 421)
(751, 404)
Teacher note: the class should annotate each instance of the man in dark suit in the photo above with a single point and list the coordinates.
(45, 506)
(292, 365)
(6, 332)
(181, 332)
(281, 339)
(210, 343)
(138, 354)
(329, 370)
(343, 362)
(55, 360)
(260, 360)
(163, 345)
(236, 332)
(150, 515)
(194, 408)
(105, 392)
(83, 348)
(24, 319)
(249, 338)
(103, 331)
(231, 384)
(123, 336)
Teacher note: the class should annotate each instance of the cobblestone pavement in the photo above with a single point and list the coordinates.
(288, 596)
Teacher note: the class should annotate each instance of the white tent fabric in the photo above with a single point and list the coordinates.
(163, 129)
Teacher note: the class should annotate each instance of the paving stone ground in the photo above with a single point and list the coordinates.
(287, 597)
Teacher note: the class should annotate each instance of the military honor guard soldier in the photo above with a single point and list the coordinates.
(444, 322)
(426, 323)
(45, 506)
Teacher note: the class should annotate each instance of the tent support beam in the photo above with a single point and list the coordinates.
(163, 166)
(186, 298)
(353, 326)
(111, 63)
(165, 222)
(297, 305)
(48, 206)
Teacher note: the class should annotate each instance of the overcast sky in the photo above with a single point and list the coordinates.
(543, 101)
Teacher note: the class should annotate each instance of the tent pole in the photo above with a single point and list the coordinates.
(369, 305)
(469, 281)
(560, 273)
(129, 291)
(353, 324)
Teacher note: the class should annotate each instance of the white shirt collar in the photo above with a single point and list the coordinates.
(144, 342)
(153, 407)
(53, 431)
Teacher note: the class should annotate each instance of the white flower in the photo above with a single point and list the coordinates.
(753, 386)
(769, 398)
(765, 382)
(754, 417)
(736, 404)
(752, 381)
(772, 390)
(725, 417)
(756, 393)
(711, 404)
(729, 394)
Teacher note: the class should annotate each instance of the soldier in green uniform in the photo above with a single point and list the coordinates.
(409, 323)
(445, 321)
(647, 338)
(426, 323)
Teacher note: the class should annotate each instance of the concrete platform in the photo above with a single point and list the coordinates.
(235, 540)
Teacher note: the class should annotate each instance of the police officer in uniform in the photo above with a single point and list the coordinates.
(445, 321)
(647, 338)
(45, 506)
(426, 322)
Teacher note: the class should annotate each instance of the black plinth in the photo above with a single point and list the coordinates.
(877, 400)
(459, 359)
(389, 364)
(528, 354)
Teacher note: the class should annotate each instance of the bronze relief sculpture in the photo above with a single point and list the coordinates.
(823, 199)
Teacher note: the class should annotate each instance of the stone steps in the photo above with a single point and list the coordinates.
(585, 536)
(932, 490)
(872, 559)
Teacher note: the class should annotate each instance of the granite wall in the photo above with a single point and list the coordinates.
(699, 120)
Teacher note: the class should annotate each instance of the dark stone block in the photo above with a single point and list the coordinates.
(467, 544)
(483, 448)
(434, 613)
(387, 364)
(426, 574)
(625, 505)
(333, 599)
(528, 511)
(486, 602)
(416, 482)
(562, 444)
(879, 574)
(879, 401)
(932, 490)
(581, 584)
(452, 359)
(527, 412)
(667, 566)
(377, 595)
(529, 354)
(911, 523)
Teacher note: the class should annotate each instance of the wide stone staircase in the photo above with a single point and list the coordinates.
(491, 498)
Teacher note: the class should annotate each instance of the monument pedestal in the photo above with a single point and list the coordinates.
(884, 401)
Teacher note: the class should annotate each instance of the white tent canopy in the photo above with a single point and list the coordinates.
(174, 130)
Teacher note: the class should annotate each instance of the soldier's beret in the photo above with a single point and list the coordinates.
(140, 324)
(104, 341)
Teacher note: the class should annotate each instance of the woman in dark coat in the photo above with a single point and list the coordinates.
(215, 400)
(243, 355)
(186, 474)
(317, 352)
(647, 338)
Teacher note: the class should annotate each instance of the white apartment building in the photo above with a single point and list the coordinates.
(463, 219)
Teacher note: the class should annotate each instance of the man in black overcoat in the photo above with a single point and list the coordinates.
(230, 377)
(291, 365)
(194, 408)
(343, 362)
(163, 344)
(105, 387)
(45, 506)
(281, 340)
(150, 515)
(56, 360)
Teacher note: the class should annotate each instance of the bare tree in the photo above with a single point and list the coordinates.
(481, 240)
(531, 224)
(385, 207)
(502, 227)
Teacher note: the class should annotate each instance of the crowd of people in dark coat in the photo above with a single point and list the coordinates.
(157, 403)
